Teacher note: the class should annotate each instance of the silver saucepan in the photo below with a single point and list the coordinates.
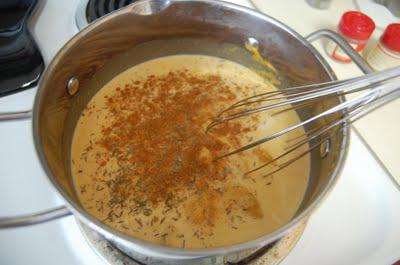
(148, 29)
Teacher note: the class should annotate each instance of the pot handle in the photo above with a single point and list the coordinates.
(35, 218)
(342, 43)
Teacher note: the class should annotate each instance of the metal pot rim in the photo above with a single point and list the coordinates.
(152, 249)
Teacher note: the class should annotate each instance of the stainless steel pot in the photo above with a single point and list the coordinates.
(150, 29)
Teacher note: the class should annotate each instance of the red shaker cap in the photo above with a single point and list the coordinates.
(356, 25)
(391, 37)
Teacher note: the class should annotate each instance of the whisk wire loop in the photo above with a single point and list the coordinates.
(377, 90)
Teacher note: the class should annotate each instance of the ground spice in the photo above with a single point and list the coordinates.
(158, 139)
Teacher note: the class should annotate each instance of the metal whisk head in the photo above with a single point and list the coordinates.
(377, 89)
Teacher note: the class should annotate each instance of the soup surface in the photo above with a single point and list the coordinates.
(143, 163)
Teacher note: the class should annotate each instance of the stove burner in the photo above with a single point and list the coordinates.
(98, 8)
(21, 63)
(90, 10)
(272, 254)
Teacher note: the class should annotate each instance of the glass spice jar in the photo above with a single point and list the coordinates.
(356, 28)
(386, 53)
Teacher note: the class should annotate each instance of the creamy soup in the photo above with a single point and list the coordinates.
(143, 163)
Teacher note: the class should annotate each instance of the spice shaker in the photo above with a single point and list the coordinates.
(356, 28)
(386, 53)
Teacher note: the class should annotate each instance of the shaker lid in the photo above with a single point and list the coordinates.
(356, 25)
(391, 37)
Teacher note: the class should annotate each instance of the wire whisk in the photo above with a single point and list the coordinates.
(377, 89)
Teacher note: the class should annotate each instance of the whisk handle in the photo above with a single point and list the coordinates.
(342, 43)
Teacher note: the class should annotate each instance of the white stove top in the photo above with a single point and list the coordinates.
(359, 222)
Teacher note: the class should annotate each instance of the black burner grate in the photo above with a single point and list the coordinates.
(98, 8)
